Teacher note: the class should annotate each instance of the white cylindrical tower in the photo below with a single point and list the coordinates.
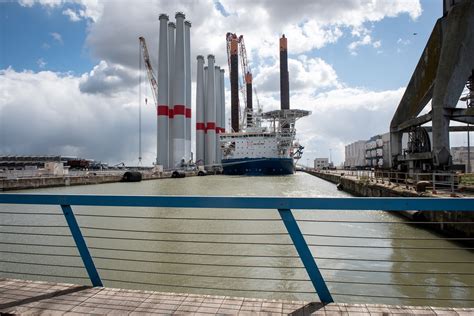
(187, 64)
(163, 102)
(200, 123)
(171, 43)
(222, 101)
(217, 91)
(205, 93)
(210, 113)
(179, 93)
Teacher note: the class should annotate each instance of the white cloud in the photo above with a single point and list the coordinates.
(98, 109)
(108, 79)
(91, 9)
(48, 3)
(305, 73)
(73, 15)
(364, 41)
(60, 119)
(41, 63)
(403, 42)
(57, 37)
(342, 116)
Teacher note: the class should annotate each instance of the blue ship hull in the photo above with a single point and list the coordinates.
(258, 166)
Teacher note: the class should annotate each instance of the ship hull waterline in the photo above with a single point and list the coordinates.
(258, 166)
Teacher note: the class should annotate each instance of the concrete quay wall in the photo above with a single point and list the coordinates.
(365, 188)
(44, 182)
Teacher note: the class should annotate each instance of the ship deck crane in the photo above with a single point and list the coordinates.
(246, 83)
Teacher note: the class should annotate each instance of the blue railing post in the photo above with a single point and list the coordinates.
(305, 254)
(81, 245)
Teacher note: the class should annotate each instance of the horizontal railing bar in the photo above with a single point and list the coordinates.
(158, 261)
(157, 252)
(33, 244)
(405, 297)
(397, 272)
(34, 234)
(386, 260)
(153, 232)
(44, 264)
(31, 213)
(202, 264)
(380, 222)
(400, 284)
(204, 275)
(39, 254)
(194, 241)
(157, 240)
(250, 234)
(193, 253)
(209, 288)
(294, 203)
(153, 217)
(232, 255)
(182, 233)
(388, 238)
(182, 218)
(390, 247)
(28, 226)
(47, 275)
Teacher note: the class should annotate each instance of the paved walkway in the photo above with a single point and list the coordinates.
(37, 297)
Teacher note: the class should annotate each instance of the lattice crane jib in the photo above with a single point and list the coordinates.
(149, 68)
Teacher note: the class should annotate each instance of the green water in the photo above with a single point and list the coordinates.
(442, 284)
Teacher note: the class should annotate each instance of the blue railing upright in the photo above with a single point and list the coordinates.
(285, 206)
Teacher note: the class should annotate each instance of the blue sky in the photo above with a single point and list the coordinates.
(33, 33)
(349, 62)
(27, 38)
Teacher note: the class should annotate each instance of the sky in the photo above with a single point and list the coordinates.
(69, 70)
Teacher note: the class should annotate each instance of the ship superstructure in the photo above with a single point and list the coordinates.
(263, 150)
(264, 144)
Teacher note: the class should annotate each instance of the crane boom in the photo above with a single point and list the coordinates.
(149, 68)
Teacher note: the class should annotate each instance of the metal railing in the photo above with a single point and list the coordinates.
(436, 181)
(332, 263)
(445, 182)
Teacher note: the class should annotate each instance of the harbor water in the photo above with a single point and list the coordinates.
(365, 256)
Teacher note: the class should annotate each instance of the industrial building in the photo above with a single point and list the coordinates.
(321, 163)
(355, 155)
(464, 156)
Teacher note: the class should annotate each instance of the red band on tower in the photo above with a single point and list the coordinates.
(211, 126)
(162, 110)
(179, 109)
(200, 126)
